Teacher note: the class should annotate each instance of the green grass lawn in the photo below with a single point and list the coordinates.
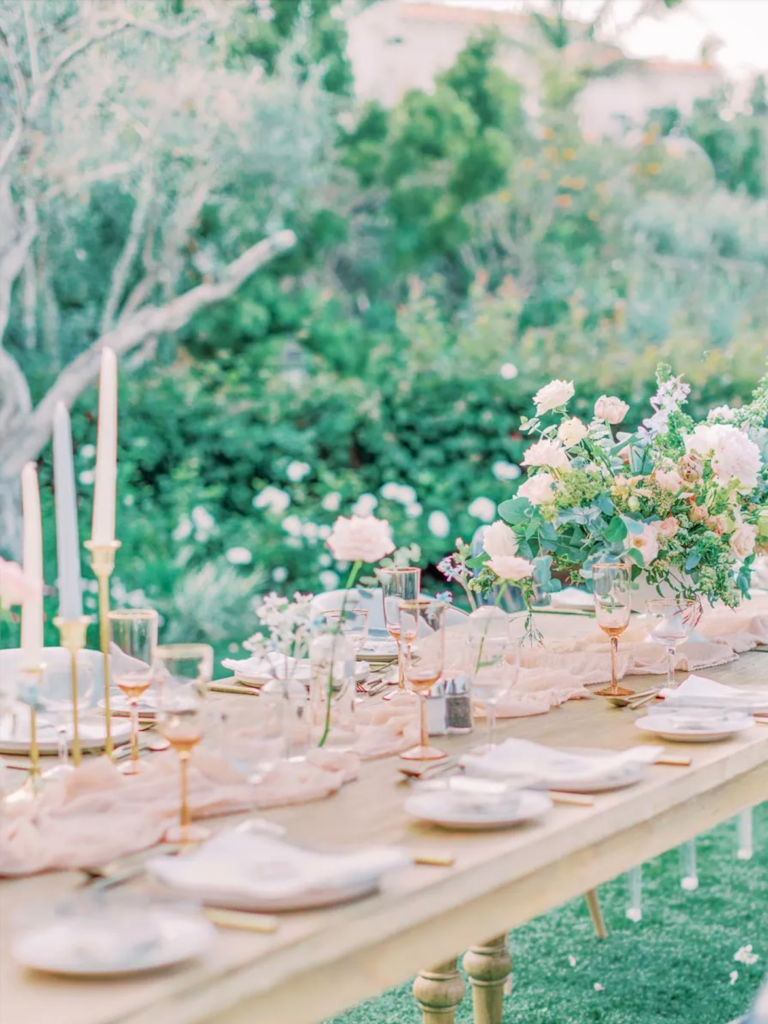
(676, 966)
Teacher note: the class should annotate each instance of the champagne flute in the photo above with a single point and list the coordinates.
(132, 643)
(670, 623)
(422, 631)
(611, 588)
(183, 672)
(403, 584)
(352, 623)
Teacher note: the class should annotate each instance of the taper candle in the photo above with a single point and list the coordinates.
(32, 608)
(103, 531)
(67, 538)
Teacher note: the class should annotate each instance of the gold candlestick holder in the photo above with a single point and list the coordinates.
(31, 787)
(103, 564)
(73, 633)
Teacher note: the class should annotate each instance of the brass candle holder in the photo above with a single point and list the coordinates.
(31, 787)
(73, 633)
(103, 564)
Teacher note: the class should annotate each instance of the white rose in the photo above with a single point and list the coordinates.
(361, 539)
(482, 508)
(647, 542)
(669, 480)
(538, 489)
(510, 567)
(499, 540)
(743, 541)
(610, 409)
(553, 395)
(733, 455)
(572, 431)
(546, 453)
(438, 523)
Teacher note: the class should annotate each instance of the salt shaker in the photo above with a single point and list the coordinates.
(458, 705)
(436, 710)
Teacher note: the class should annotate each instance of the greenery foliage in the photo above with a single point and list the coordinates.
(455, 253)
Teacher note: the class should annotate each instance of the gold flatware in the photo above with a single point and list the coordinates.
(245, 690)
(676, 760)
(577, 799)
(434, 860)
(243, 920)
(622, 702)
(422, 770)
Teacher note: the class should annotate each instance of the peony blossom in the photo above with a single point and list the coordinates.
(669, 480)
(510, 567)
(743, 541)
(499, 540)
(668, 527)
(571, 432)
(719, 524)
(15, 587)
(610, 409)
(734, 456)
(647, 542)
(361, 539)
(697, 513)
(538, 489)
(546, 453)
(552, 396)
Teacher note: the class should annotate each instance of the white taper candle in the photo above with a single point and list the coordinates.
(67, 537)
(104, 496)
(32, 608)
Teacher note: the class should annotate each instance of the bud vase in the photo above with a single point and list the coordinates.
(332, 691)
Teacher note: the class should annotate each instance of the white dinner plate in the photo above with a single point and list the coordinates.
(92, 733)
(683, 728)
(441, 809)
(570, 781)
(90, 947)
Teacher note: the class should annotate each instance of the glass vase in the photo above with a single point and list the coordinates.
(332, 691)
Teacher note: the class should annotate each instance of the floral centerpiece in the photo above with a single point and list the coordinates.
(685, 503)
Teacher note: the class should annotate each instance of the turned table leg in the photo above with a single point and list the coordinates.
(438, 992)
(488, 966)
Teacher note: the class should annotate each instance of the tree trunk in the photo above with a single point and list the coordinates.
(10, 517)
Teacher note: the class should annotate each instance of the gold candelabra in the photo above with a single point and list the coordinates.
(31, 787)
(73, 634)
(103, 564)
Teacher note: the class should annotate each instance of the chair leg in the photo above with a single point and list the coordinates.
(634, 911)
(593, 905)
(744, 833)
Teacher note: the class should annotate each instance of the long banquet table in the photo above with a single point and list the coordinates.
(318, 963)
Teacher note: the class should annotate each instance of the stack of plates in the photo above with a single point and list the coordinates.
(14, 732)
(466, 803)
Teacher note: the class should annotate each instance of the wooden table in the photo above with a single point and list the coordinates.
(318, 963)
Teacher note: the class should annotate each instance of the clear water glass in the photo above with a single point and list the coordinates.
(670, 623)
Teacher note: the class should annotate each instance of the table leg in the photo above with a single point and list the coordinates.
(438, 993)
(593, 904)
(488, 966)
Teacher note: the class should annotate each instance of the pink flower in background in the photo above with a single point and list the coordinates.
(361, 539)
(538, 489)
(743, 541)
(553, 395)
(647, 542)
(510, 567)
(15, 588)
(546, 453)
(610, 409)
(669, 480)
(668, 527)
(499, 540)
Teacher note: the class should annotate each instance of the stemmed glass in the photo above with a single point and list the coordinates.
(611, 587)
(132, 643)
(56, 699)
(494, 663)
(398, 585)
(422, 632)
(183, 672)
(254, 738)
(351, 623)
(670, 622)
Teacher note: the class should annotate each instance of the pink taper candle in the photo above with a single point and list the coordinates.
(32, 608)
(103, 531)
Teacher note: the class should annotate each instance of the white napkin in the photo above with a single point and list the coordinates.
(700, 692)
(272, 666)
(573, 597)
(262, 866)
(551, 766)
